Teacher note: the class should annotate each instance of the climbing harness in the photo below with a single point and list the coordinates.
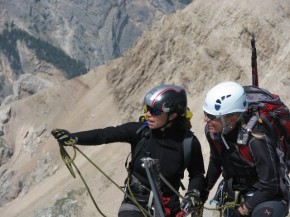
(153, 177)
(148, 164)
(152, 170)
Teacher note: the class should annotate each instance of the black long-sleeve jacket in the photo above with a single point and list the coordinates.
(262, 178)
(163, 145)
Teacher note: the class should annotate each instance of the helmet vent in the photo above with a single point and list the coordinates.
(219, 102)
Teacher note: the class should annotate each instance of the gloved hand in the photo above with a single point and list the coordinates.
(64, 137)
(191, 202)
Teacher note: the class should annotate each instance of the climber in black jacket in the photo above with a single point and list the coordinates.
(250, 167)
(161, 134)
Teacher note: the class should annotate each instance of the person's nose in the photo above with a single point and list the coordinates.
(206, 119)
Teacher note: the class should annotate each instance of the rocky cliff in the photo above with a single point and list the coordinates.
(55, 40)
(92, 32)
(197, 47)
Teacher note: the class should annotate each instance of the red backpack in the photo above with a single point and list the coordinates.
(268, 109)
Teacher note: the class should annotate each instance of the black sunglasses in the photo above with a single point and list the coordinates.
(153, 111)
(211, 117)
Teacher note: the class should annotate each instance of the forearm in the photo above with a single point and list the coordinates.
(213, 173)
(122, 133)
(268, 182)
(91, 137)
(260, 196)
(196, 183)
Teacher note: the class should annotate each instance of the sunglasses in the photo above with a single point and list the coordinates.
(211, 117)
(153, 111)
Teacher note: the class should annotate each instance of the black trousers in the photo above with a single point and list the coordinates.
(129, 210)
(270, 209)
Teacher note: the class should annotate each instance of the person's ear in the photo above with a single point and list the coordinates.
(172, 116)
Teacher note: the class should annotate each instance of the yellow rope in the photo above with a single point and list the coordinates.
(198, 213)
(221, 209)
(133, 199)
(69, 162)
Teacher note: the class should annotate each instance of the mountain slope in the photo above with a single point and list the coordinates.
(205, 44)
(63, 107)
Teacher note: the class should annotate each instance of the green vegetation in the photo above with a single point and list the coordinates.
(43, 50)
(2, 83)
(170, 2)
(9, 48)
(186, 2)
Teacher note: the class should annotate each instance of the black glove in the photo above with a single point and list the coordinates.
(191, 202)
(64, 137)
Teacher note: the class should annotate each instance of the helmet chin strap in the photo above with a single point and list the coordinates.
(167, 124)
(227, 128)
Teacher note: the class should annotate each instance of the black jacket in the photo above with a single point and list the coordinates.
(163, 145)
(262, 178)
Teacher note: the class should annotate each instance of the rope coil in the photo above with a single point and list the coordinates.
(69, 162)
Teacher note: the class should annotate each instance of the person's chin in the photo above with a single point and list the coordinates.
(151, 125)
(211, 130)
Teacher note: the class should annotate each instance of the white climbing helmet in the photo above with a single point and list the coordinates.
(225, 98)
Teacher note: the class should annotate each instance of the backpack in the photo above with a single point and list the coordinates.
(267, 109)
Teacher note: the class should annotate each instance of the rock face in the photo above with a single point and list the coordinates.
(68, 38)
(92, 32)
(197, 47)
(205, 44)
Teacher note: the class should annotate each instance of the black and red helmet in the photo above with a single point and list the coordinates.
(167, 98)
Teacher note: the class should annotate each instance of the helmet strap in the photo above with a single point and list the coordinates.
(226, 129)
(167, 124)
(225, 142)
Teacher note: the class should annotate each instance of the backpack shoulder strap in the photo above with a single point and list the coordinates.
(144, 134)
(187, 146)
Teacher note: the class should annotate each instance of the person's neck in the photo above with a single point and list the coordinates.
(167, 125)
